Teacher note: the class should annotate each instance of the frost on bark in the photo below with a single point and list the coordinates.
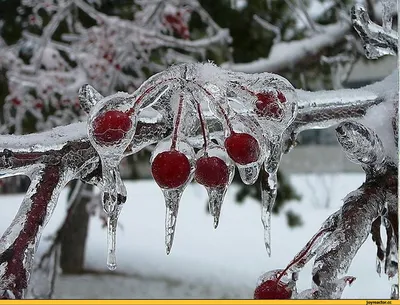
(203, 118)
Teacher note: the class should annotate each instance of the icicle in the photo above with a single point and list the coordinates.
(88, 97)
(391, 259)
(268, 195)
(269, 182)
(172, 198)
(378, 266)
(215, 199)
(109, 195)
(112, 223)
(394, 292)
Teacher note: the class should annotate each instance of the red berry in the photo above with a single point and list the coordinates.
(264, 99)
(211, 172)
(16, 101)
(172, 19)
(111, 126)
(242, 148)
(170, 169)
(267, 105)
(271, 289)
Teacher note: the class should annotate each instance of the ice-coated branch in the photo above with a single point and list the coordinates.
(19, 242)
(151, 115)
(324, 109)
(360, 209)
(377, 41)
(286, 55)
(61, 155)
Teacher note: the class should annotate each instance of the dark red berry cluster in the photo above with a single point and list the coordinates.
(270, 104)
(171, 169)
(177, 24)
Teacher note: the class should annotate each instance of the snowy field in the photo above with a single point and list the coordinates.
(206, 263)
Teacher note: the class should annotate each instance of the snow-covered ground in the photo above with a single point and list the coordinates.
(206, 263)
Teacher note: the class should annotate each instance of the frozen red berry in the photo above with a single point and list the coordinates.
(267, 104)
(272, 289)
(170, 169)
(111, 126)
(211, 172)
(242, 148)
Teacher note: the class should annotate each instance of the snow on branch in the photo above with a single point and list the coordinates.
(286, 55)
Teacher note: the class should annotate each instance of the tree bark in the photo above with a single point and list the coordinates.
(74, 235)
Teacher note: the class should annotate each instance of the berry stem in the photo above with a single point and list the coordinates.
(228, 122)
(148, 90)
(303, 252)
(177, 122)
(202, 125)
(246, 89)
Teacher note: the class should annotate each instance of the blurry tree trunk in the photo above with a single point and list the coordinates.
(74, 234)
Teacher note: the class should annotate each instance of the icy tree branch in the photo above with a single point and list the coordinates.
(376, 40)
(376, 199)
(48, 153)
(286, 55)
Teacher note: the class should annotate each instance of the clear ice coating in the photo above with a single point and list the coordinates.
(216, 179)
(112, 224)
(111, 128)
(361, 145)
(172, 198)
(377, 40)
(261, 105)
(215, 199)
(172, 193)
(264, 106)
(394, 292)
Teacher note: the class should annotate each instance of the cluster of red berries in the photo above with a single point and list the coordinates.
(177, 24)
(270, 104)
(172, 168)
